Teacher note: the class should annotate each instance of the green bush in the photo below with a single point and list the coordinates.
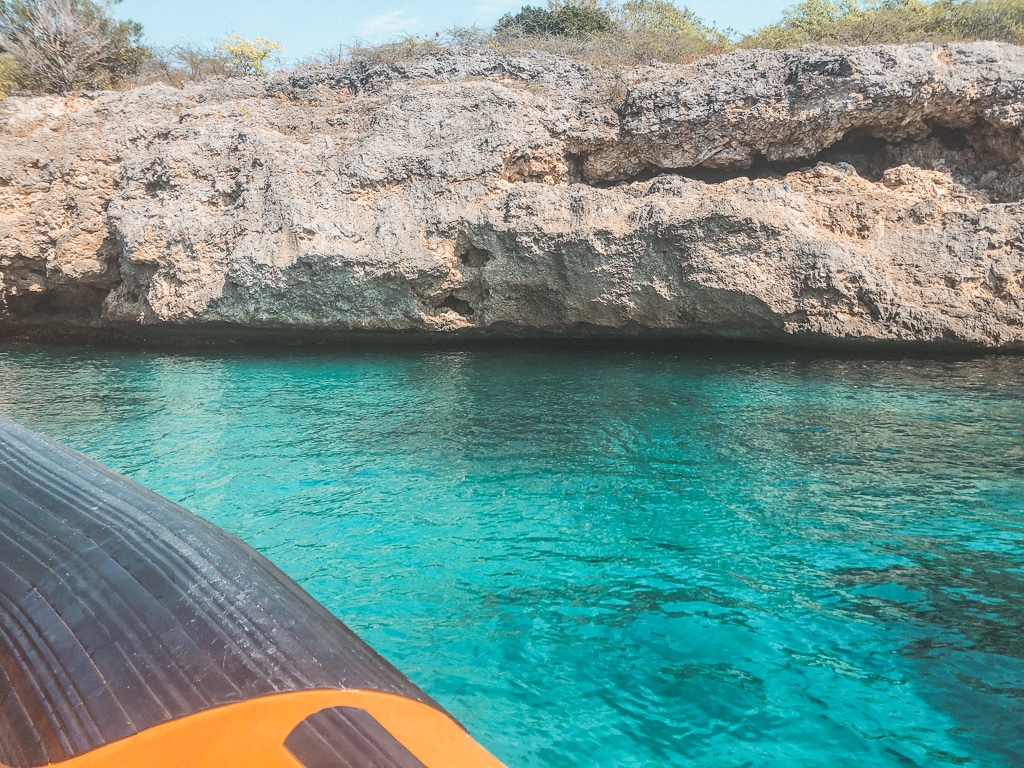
(564, 20)
(62, 45)
(635, 32)
(529, 21)
(664, 18)
(985, 20)
(580, 20)
(856, 22)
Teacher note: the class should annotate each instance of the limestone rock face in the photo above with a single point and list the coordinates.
(823, 195)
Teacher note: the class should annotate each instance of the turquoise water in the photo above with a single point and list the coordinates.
(616, 558)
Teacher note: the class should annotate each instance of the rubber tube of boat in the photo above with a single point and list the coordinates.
(134, 634)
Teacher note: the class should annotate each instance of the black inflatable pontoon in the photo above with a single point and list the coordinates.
(133, 633)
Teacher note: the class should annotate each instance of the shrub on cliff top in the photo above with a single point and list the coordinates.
(578, 19)
(637, 31)
(645, 30)
(61, 45)
(192, 63)
(663, 18)
(985, 20)
(861, 22)
(642, 31)
(248, 57)
(186, 63)
(403, 49)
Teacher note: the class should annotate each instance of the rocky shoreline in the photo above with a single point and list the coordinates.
(821, 197)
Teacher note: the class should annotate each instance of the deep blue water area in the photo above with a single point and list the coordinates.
(615, 557)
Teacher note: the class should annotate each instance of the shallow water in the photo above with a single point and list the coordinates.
(616, 558)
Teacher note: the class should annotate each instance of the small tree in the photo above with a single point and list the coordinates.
(61, 45)
(530, 20)
(579, 19)
(663, 17)
(984, 19)
(249, 57)
(860, 22)
(809, 21)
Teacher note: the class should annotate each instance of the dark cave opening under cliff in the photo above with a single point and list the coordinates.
(77, 302)
(971, 158)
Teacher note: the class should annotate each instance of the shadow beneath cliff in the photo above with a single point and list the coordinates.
(224, 338)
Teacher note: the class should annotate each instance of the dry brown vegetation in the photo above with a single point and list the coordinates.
(599, 32)
(645, 31)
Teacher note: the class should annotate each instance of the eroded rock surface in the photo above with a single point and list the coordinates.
(813, 195)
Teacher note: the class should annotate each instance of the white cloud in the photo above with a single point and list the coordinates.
(388, 24)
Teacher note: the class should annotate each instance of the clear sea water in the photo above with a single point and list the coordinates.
(615, 558)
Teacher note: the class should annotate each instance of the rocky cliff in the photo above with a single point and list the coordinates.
(823, 195)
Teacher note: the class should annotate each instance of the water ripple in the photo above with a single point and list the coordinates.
(616, 558)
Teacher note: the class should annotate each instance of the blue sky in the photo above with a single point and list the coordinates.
(305, 27)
